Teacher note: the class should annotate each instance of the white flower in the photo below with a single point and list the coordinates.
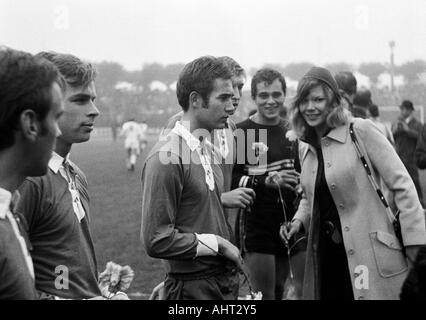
(259, 148)
(291, 135)
(254, 296)
(115, 278)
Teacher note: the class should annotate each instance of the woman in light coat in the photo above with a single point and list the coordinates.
(352, 252)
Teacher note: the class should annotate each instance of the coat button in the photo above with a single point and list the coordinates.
(351, 251)
(327, 144)
(360, 298)
(347, 229)
(341, 206)
(333, 187)
(328, 164)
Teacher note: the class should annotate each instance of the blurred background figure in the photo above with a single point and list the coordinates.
(373, 113)
(133, 135)
(144, 131)
(347, 84)
(361, 103)
(406, 131)
(420, 153)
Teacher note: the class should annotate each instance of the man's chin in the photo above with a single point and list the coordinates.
(83, 138)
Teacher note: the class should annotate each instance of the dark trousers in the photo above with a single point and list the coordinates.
(214, 284)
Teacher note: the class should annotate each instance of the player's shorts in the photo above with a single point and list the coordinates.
(131, 144)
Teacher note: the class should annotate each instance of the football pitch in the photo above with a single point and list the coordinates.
(116, 209)
(115, 195)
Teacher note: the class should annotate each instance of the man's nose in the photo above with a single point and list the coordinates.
(93, 111)
(236, 94)
(229, 107)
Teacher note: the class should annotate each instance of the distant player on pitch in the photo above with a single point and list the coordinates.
(133, 137)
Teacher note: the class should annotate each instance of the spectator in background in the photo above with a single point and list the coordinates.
(347, 84)
(373, 111)
(420, 153)
(361, 103)
(406, 132)
(30, 106)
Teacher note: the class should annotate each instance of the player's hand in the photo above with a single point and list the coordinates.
(287, 231)
(228, 250)
(158, 292)
(238, 198)
(284, 179)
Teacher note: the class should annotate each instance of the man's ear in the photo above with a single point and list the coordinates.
(30, 126)
(195, 100)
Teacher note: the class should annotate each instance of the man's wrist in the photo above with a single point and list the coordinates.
(299, 223)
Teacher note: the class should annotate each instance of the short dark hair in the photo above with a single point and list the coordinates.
(346, 81)
(363, 98)
(374, 110)
(199, 76)
(407, 104)
(266, 75)
(234, 66)
(26, 83)
(76, 73)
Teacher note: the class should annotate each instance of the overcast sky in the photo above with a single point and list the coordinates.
(253, 32)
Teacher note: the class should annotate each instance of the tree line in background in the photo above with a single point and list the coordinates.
(149, 93)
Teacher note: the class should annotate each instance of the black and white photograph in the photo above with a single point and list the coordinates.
(212, 150)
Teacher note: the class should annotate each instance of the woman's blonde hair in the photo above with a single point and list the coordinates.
(338, 116)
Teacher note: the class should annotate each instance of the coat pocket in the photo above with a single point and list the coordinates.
(388, 254)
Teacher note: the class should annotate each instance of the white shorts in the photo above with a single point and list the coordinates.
(131, 144)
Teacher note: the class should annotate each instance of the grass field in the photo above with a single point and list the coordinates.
(116, 210)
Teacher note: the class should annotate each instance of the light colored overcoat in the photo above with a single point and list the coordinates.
(376, 264)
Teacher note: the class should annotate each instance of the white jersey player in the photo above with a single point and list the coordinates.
(133, 136)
